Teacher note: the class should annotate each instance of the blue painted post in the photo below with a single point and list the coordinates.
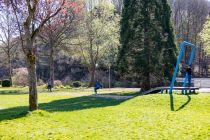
(177, 67)
(183, 44)
(189, 63)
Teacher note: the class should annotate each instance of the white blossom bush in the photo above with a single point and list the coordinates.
(20, 77)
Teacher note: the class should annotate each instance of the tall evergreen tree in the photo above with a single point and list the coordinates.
(148, 51)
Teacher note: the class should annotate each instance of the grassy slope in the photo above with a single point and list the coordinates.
(65, 117)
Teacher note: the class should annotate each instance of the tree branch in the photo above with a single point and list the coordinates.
(34, 34)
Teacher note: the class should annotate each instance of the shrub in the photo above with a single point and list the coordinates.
(62, 86)
(117, 84)
(76, 84)
(20, 77)
(57, 83)
(40, 82)
(56, 87)
(6, 83)
(127, 84)
(66, 81)
(68, 87)
(44, 86)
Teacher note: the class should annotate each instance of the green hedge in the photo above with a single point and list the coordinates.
(6, 83)
(76, 84)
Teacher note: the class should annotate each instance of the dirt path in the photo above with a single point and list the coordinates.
(67, 93)
(116, 97)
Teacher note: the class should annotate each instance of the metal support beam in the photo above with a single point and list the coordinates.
(182, 46)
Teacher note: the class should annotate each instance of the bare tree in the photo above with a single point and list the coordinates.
(58, 29)
(189, 17)
(7, 37)
(31, 16)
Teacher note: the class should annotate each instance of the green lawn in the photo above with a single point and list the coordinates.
(82, 90)
(63, 116)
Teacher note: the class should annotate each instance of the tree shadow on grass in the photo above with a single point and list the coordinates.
(13, 92)
(186, 103)
(71, 104)
(13, 113)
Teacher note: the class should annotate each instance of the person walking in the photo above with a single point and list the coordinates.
(189, 74)
(97, 86)
(49, 85)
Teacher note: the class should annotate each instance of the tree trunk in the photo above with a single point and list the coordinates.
(146, 82)
(52, 75)
(92, 68)
(10, 70)
(33, 105)
(187, 39)
(31, 66)
(92, 75)
(146, 73)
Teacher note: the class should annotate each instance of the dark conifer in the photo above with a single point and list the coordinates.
(148, 51)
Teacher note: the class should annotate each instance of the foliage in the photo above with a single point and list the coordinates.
(98, 36)
(143, 117)
(8, 41)
(30, 18)
(148, 49)
(20, 77)
(189, 17)
(205, 35)
(6, 83)
(127, 84)
(57, 83)
(76, 84)
(40, 82)
(60, 28)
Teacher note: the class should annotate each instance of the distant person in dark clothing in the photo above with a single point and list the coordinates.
(189, 74)
(49, 85)
(97, 86)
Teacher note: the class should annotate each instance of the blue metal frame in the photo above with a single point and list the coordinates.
(182, 46)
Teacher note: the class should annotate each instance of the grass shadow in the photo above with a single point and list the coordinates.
(186, 103)
(12, 92)
(13, 113)
(63, 105)
(79, 103)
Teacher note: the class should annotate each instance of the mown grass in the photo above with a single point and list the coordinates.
(82, 90)
(63, 116)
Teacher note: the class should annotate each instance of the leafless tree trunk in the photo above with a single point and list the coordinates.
(52, 67)
(33, 99)
(92, 71)
(10, 69)
(28, 34)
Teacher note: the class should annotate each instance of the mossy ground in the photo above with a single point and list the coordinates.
(62, 116)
